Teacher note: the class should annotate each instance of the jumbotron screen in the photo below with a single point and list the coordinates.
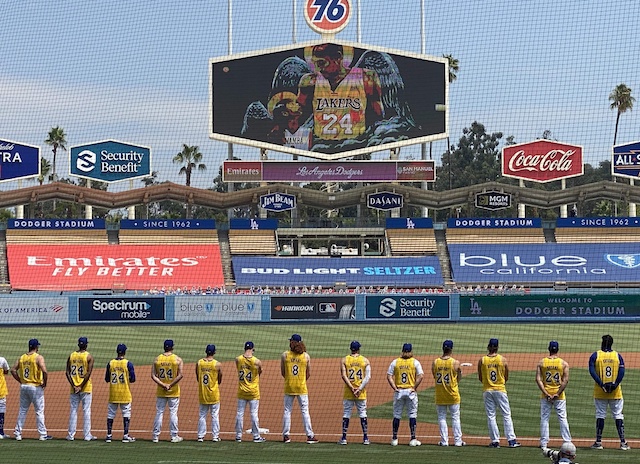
(328, 100)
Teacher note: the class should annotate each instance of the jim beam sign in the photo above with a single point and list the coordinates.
(493, 200)
(542, 161)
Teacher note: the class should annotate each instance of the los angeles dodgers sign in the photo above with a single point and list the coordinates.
(327, 16)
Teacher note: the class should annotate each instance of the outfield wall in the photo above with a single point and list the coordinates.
(338, 307)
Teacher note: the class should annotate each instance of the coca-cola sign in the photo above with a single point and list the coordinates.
(542, 161)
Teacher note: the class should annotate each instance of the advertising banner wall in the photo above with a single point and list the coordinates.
(18, 161)
(217, 308)
(121, 309)
(136, 267)
(34, 310)
(618, 221)
(548, 262)
(401, 272)
(408, 307)
(324, 307)
(564, 306)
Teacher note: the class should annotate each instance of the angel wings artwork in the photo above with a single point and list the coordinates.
(324, 103)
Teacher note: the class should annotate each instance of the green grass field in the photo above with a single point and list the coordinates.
(331, 341)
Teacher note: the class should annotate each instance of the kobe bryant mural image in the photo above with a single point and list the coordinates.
(331, 98)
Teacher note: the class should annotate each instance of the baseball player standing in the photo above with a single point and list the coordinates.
(493, 372)
(78, 372)
(446, 373)
(404, 376)
(356, 373)
(606, 367)
(295, 367)
(119, 375)
(552, 377)
(249, 371)
(31, 372)
(4, 370)
(209, 377)
(167, 373)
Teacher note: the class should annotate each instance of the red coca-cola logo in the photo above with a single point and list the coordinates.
(542, 161)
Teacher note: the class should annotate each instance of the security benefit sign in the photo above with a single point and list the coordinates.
(18, 161)
(626, 160)
(421, 307)
(110, 161)
(545, 307)
(121, 309)
(493, 200)
(545, 263)
(327, 307)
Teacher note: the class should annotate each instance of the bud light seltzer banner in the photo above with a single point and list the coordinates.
(542, 161)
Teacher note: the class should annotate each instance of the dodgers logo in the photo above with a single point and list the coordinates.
(388, 307)
(627, 261)
(86, 161)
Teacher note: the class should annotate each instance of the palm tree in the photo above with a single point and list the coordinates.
(57, 139)
(621, 100)
(190, 157)
(453, 67)
(45, 169)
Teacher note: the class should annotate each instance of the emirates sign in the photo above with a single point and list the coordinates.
(542, 161)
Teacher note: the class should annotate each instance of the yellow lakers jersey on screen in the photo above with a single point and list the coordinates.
(295, 374)
(446, 378)
(248, 378)
(607, 365)
(166, 369)
(493, 373)
(404, 373)
(356, 370)
(78, 368)
(552, 372)
(340, 114)
(119, 391)
(28, 370)
(208, 390)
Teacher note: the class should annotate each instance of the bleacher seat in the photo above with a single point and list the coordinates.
(253, 242)
(408, 242)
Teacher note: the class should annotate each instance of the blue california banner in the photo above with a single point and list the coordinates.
(394, 272)
(548, 262)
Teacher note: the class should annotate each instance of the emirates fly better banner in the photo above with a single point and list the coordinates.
(138, 267)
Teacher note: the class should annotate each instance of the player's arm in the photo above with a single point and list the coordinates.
(480, 369)
(391, 379)
(107, 373)
(5, 368)
(343, 373)
(87, 375)
(219, 369)
(132, 372)
(198, 372)
(457, 369)
(259, 366)
(308, 371)
(592, 369)
(282, 360)
(621, 371)
(539, 381)
(14, 371)
(419, 374)
(154, 376)
(506, 368)
(367, 376)
(179, 375)
(43, 368)
(565, 377)
(68, 372)
(433, 368)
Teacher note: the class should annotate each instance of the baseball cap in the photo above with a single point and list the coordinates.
(295, 338)
(121, 348)
(83, 341)
(33, 343)
(210, 349)
(248, 346)
(447, 344)
(553, 345)
(168, 344)
(407, 348)
(493, 342)
(568, 448)
(355, 345)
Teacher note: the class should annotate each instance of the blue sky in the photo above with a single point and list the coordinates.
(137, 71)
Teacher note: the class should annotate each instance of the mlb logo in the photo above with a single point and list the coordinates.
(328, 307)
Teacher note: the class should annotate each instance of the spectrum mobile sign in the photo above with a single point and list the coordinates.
(542, 161)
(120, 309)
(110, 161)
